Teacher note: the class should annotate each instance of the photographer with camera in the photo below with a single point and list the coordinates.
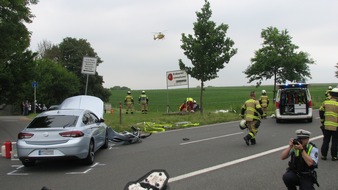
(304, 159)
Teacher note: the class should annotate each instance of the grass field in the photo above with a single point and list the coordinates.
(214, 98)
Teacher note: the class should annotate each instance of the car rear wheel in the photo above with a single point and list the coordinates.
(28, 163)
(89, 160)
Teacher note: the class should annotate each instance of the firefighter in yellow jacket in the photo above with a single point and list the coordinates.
(129, 102)
(327, 93)
(143, 101)
(251, 111)
(328, 114)
(264, 101)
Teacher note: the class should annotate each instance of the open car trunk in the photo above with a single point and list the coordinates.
(293, 102)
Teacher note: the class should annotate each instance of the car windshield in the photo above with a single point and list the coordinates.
(54, 121)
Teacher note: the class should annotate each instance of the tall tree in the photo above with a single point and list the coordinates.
(15, 60)
(278, 59)
(208, 51)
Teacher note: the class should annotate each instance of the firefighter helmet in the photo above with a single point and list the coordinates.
(129, 92)
(143, 92)
(242, 124)
(334, 92)
(330, 88)
(263, 92)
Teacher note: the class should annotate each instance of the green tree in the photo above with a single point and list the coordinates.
(208, 51)
(16, 79)
(69, 53)
(278, 59)
(15, 37)
(55, 83)
(15, 60)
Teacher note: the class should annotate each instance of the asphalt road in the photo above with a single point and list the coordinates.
(214, 157)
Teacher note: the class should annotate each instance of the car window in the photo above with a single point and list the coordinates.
(94, 117)
(89, 118)
(86, 119)
(54, 121)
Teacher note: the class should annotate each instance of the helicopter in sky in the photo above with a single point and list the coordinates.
(159, 36)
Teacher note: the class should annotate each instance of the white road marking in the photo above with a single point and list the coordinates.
(18, 167)
(84, 172)
(207, 139)
(16, 170)
(226, 164)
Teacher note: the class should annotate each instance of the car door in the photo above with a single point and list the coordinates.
(98, 129)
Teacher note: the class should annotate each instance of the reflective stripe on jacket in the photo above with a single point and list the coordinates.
(264, 101)
(252, 110)
(297, 162)
(328, 113)
(129, 99)
(143, 98)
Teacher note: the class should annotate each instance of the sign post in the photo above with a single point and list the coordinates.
(89, 68)
(34, 84)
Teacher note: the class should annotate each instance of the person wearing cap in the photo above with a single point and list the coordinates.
(143, 101)
(328, 113)
(129, 102)
(304, 159)
(264, 101)
(251, 111)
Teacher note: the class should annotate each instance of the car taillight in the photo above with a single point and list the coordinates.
(72, 134)
(25, 135)
(310, 104)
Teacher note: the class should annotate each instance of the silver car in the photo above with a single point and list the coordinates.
(76, 130)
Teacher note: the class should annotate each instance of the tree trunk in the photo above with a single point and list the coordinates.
(201, 97)
(274, 88)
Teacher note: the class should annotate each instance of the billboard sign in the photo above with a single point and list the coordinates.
(177, 78)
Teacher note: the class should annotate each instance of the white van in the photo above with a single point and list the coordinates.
(293, 102)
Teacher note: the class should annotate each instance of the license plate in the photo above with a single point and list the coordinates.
(46, 152)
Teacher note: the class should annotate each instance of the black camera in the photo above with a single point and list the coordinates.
(296, 141)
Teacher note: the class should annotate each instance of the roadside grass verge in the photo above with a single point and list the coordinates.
(228, 99)
(163, 104)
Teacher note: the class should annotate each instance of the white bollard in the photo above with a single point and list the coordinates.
(3, 151)
(14, 152)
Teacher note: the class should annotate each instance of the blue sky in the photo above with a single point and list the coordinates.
(121, 32)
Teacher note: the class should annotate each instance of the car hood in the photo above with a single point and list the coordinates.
(91, 103)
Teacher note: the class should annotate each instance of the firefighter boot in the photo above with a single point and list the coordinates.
(247, 139)
(253, 141)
